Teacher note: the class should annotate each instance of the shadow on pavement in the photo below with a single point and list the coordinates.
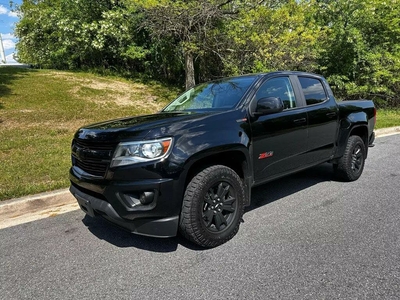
(261, 196)
(285, 186)
(107, 231)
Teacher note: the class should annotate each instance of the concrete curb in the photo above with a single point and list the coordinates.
(30, 204)
(387, 131)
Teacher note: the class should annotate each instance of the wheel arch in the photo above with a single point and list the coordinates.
(362, 132)
(238, 160)
(359, 129)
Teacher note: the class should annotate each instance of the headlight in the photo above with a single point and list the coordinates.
(133, 152)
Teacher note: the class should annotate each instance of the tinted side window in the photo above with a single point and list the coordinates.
(279, 87)
(313, 90)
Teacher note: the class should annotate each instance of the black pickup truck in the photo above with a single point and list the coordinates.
(191, 166)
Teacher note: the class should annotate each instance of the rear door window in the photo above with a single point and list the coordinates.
(313, 90)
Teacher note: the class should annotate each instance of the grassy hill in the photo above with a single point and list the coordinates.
(41, 109)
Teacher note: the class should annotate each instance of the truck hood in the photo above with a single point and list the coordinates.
(140, 127)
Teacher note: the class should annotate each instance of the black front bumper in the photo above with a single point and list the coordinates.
(118, 202)
(165, 227)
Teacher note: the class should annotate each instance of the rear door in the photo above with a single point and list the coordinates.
(280, 139)
(322, 114)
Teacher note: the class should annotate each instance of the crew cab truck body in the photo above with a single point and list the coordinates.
(191, 167)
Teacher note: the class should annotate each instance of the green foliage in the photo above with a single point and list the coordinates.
(66, 34)
(184, 25)
(361, 52)
(355, 44)
(267, 39)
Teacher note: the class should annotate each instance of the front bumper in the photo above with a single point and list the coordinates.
(119, 203)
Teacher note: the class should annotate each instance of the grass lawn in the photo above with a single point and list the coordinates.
(41, 109)
(387, 118)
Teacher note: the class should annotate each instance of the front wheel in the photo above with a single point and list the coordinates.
(351, 164)
(213, 206)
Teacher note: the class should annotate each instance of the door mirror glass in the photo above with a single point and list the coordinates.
(269, 105)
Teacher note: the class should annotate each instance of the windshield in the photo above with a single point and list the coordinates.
(225, 93)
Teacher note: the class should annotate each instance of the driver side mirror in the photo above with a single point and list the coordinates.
(269, 105)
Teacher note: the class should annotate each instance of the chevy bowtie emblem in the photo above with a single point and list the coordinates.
(266, 155)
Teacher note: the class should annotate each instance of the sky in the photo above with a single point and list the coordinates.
(7, 22)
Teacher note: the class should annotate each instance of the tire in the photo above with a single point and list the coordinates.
(213, 206)
(351, 165)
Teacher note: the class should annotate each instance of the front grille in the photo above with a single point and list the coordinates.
(95, 145)
(92, 157)
(94, 167)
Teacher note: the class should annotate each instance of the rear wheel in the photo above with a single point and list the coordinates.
(212, 206)
(350, 166)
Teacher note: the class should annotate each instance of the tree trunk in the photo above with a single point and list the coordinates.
(189, 69)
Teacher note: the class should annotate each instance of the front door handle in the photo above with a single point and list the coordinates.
(331, 114)
(298, 121)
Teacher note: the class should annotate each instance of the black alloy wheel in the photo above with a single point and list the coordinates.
(357, 159)
(220, 207)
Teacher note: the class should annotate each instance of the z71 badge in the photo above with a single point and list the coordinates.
(266, 155)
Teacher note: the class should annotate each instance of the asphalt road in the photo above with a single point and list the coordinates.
(305, 237)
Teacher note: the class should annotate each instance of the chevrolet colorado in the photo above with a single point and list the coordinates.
(191, 166)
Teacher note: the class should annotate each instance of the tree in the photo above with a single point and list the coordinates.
(185, 23)
(361, 54)
(75, 34)
(271, 37)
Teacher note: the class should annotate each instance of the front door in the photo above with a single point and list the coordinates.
(280, 139)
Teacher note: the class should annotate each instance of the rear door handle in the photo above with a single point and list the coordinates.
(298, 121)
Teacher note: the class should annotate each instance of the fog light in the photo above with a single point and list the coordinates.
(146, 197)
(132, 201)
